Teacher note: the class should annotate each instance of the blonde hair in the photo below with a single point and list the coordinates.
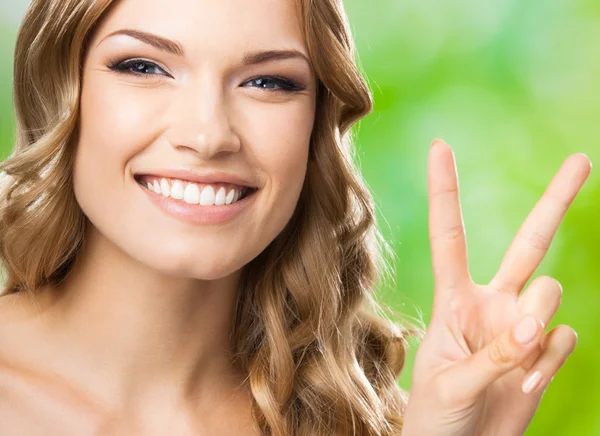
(321, 358)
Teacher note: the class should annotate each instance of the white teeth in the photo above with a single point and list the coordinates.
(208, 196)
(191, 194)
(220, 198)
(177, 190)
(230, 196)
(165, 188)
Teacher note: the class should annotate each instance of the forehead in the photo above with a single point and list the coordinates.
(202, 25)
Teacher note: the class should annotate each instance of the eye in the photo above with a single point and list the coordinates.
(147, 69)
(276, 84)
(137, 67)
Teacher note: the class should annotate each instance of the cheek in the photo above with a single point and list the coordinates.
(115, 124)
(116, 120)
(281, 142)
(280, 145)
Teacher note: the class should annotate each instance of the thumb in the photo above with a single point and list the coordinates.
(475, 374)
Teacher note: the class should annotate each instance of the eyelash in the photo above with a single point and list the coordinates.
(124, 67)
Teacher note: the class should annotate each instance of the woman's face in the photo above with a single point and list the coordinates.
(176, 95)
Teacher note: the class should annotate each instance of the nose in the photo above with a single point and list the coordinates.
(201, 124)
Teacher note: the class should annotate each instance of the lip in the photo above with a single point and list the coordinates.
(195, 213)
(206, 178)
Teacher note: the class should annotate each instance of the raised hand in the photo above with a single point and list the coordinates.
(476, 372)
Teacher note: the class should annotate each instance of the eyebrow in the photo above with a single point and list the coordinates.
(176, 48)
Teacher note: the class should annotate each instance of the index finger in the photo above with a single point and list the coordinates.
(446, 228)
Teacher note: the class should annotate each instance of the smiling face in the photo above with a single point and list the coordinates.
(200, 99)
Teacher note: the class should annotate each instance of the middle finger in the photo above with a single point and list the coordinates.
(536, 233)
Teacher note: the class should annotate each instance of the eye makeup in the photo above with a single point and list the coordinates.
(142, 68)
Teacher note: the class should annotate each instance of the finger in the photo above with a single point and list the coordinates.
(475, 374)
(541, 299)
(536, 233)
(446, 229)
(559, 344)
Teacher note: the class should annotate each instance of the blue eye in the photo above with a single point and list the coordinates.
(138, 67)
(276, 84)
(148, 70)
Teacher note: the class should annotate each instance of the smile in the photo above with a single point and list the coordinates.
(214, 194)
(214, 203)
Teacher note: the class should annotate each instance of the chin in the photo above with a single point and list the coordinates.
(187, 262)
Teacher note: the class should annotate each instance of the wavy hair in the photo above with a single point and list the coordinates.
(320, 356)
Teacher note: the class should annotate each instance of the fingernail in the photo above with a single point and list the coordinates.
(525, 331)
(532, 382)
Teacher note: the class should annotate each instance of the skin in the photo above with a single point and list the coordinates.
(135, 340)
(469, 370)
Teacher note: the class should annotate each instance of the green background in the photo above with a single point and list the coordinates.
(514, 87)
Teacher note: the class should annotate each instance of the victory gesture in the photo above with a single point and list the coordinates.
(486, 358)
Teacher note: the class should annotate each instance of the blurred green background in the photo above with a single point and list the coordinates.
(514, 87)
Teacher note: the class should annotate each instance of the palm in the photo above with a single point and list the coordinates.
(478, 316)
(467, 317)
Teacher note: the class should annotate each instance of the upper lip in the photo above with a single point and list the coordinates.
(203, 178)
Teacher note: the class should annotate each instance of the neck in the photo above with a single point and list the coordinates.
(145, 335)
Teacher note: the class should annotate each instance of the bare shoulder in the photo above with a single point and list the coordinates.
(29, 402)
(20, 314)
(20, 307)
(16, 315)
(35, 398)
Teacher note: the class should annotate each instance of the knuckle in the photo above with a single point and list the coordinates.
(455, 232)
(452, 233)
(559, 200)
(500, 356)
(446, 191)
(536, 239)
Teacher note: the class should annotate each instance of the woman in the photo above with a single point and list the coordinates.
(189, 248)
